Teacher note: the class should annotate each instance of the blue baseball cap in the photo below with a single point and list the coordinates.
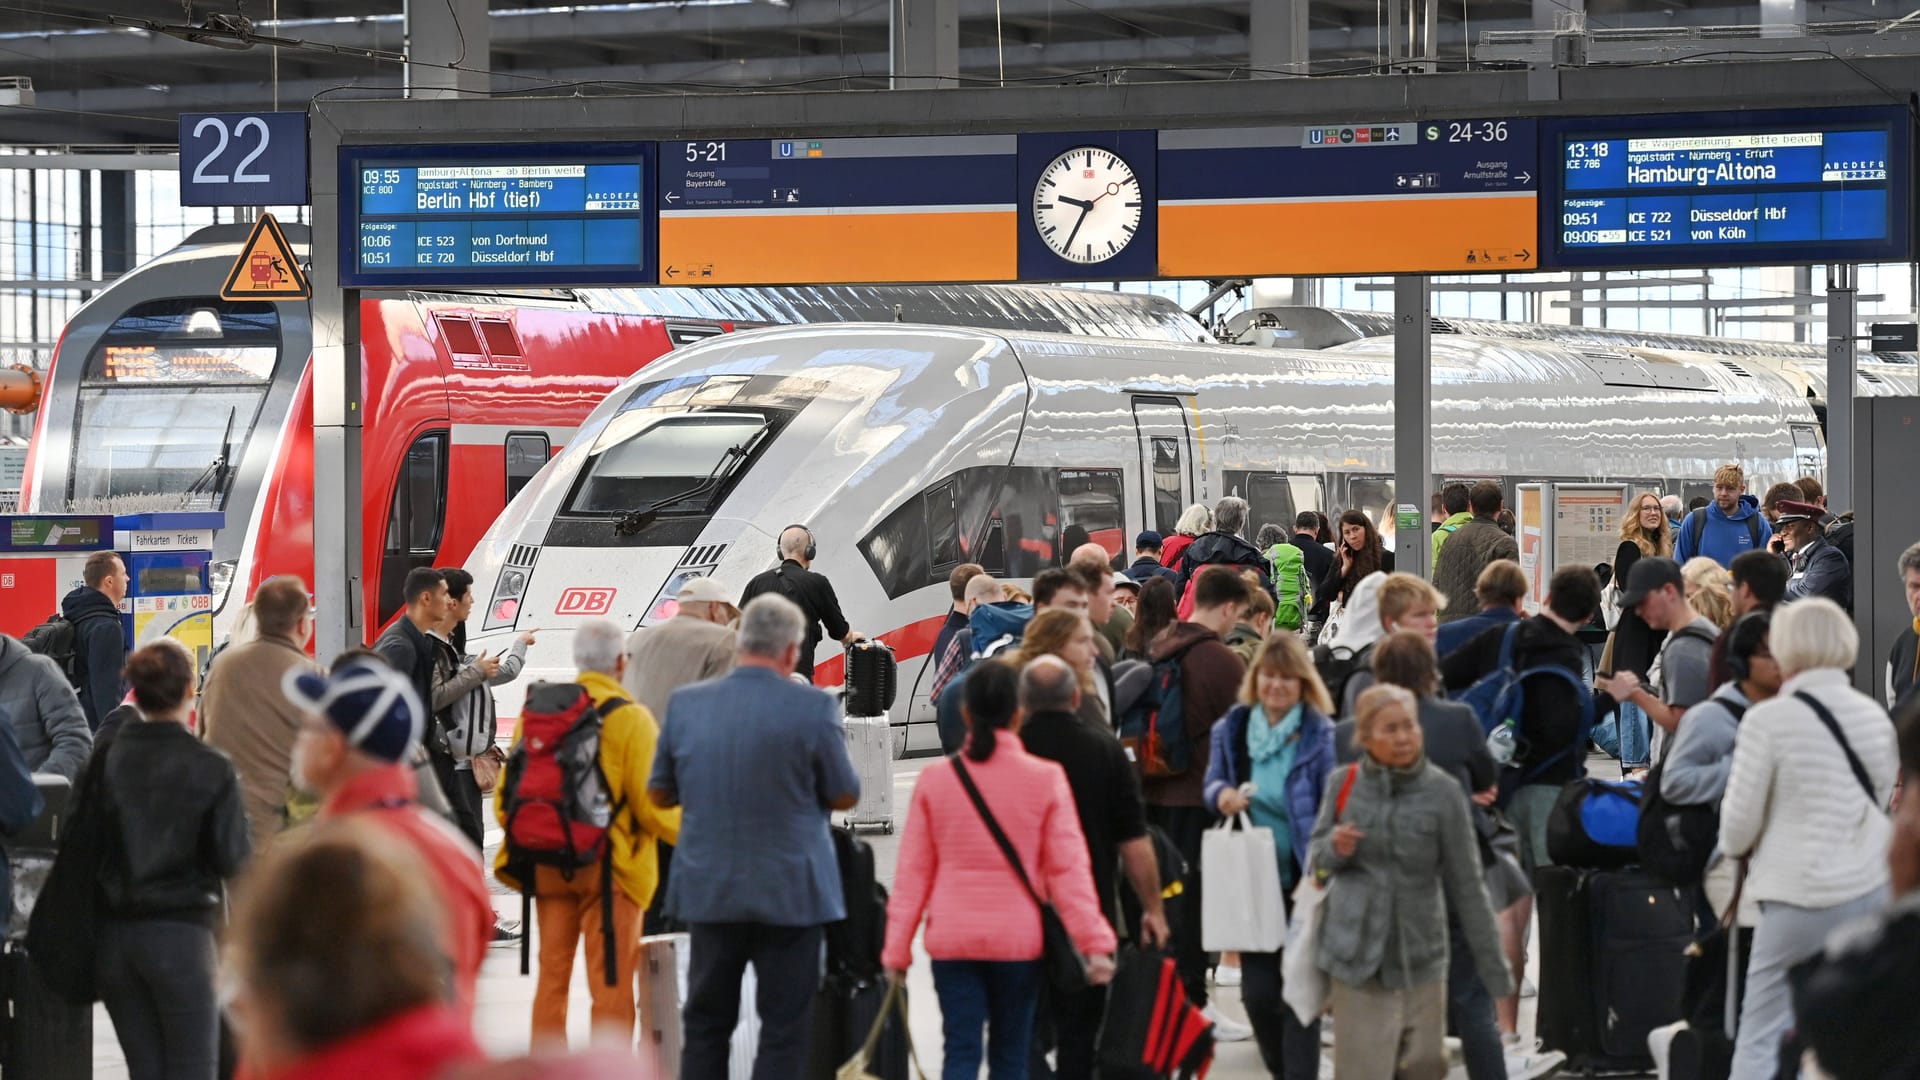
(1148, 539)
(371, 704)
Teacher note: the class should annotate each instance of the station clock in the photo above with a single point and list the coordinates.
(1087, 205)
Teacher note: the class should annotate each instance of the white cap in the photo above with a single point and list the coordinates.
(703, 590)
(1122, 581)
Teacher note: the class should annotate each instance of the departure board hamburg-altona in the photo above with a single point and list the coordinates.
(499, 215)
(1714, 190)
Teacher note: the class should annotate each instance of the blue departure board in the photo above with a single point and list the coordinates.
(1828, 185)
(497, 215)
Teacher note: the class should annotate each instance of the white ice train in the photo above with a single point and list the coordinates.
(911, 449)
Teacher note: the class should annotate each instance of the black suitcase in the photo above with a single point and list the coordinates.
(1613, 947)
(843, 1014)
(872, 678)
(41, 1036)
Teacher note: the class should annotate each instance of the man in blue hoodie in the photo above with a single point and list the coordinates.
(1728, 526)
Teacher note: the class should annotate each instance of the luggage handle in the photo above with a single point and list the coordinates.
(856, 1067)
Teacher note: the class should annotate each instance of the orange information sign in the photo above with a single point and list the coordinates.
(266, 268)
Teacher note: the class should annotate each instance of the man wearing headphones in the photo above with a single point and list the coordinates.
(813, 592)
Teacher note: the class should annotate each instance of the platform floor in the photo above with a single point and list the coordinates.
(505, 997)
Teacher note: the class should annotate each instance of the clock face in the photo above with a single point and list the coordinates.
(1087, 205)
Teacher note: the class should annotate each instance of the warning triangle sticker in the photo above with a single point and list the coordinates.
(266, 268)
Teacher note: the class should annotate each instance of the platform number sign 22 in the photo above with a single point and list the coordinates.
(243, 159)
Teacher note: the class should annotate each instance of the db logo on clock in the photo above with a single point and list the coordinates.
(585, 602)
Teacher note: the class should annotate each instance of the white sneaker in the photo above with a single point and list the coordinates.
(1326, 1031)
(1527, 989)
(1225, 1028)
(1533, 1063)
(1226, 976)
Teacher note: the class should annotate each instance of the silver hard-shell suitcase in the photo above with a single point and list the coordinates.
(870, 745)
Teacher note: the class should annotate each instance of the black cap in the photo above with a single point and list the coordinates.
(1650, 574)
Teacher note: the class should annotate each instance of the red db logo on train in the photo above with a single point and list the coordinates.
(585, 602)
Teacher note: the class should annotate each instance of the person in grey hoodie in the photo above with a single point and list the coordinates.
(1397, 851)
(43, 711)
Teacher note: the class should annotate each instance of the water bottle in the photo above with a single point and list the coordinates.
(1501, 744)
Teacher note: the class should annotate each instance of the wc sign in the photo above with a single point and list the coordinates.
(578, 601)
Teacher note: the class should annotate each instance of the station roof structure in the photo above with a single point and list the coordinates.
(118, 72)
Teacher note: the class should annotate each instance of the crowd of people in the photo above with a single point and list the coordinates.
(1098, 722)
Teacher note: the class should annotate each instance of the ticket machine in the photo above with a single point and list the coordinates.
(168, 594)
(42, 557)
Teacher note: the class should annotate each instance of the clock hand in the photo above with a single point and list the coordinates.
(1112, 189)
(1084, 210)
(1070, 201)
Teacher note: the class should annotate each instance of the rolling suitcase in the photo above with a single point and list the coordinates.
(843, 1014)
(42, 1037)
(870, 746)
(661, 993)
(30, 851)
(1618, 941)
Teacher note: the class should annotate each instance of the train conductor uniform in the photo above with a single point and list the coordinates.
(794, 580)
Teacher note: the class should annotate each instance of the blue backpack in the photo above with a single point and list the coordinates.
(1499, 699)
(1154, 731)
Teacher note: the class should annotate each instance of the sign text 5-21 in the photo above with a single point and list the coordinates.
(243, 159)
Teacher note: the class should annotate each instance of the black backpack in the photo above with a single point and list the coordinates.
(1840, 535)
(855, 942)
(1336, 666)
(58, 639)
(1696, 524)
(1675, 840)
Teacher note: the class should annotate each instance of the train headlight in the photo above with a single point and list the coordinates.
(505, 605)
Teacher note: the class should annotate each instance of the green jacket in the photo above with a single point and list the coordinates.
(1445, 530)
(1387, 905)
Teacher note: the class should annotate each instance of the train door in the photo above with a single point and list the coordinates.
(1166, 462)
(415, 521)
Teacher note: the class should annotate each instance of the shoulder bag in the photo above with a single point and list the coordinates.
(1061, 964)
(1853, 759)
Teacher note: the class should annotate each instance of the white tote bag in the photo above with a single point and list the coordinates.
(1242, 908)
(1304, 987)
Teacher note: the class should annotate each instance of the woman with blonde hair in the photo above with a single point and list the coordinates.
(1708, 590)
(1197, 520)
(1278, 740)
(1069, 636)
(1644, 531)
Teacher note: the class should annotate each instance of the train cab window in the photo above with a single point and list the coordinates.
(415, 519)
(526, 454)
(169, 397)
(1090, 511)
(656, 476)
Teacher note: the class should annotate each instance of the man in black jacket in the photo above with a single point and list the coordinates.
(1318, 561)
(1548, 755)
(1224, 546)
(1903, 664)
(1106, 795)
(99, 638)
(409, 651)
(1817, 567)
(794, 579)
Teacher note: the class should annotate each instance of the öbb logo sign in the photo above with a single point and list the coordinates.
(578, 601)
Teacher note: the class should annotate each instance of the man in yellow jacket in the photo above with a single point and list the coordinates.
(567, 907)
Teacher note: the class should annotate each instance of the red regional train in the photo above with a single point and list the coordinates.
(162, 395)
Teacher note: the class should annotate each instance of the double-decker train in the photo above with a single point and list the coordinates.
(911, 449)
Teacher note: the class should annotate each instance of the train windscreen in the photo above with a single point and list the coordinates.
(169, 397)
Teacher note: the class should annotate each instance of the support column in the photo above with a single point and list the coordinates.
(924, 51)
(119, 246)
(440, 33)
(1842, 360)
(1412, 422)
(337, 482)
(1277, 39)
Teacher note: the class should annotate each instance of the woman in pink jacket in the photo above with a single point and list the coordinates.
(983, 930)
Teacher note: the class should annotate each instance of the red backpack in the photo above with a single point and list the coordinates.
(559, 807)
